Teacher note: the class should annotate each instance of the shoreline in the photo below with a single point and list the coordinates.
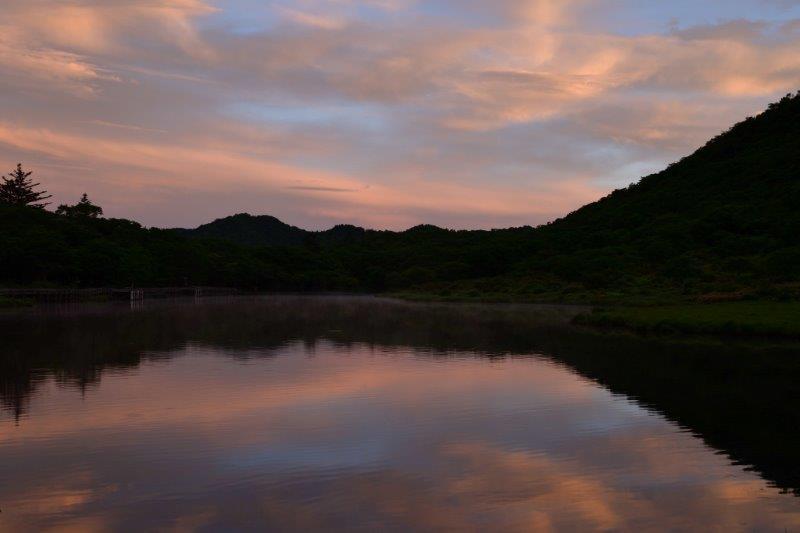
(746, 318)
(662, 318)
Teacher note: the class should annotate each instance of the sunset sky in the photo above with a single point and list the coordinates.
(382, 113)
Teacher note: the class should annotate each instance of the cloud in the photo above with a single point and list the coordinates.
(203, 168)
(320, 189)
(310, 19)
(466, 113)
(31, 68)
(124, 126)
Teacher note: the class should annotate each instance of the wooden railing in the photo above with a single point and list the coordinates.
(74, 295)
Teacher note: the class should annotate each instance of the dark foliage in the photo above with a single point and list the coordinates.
(43, 248)
(18, 189)
(250, 230)
(722, 220)
(83, 209)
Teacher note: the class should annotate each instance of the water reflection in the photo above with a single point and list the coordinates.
(299, 413)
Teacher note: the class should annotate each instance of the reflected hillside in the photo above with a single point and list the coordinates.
(741, 399)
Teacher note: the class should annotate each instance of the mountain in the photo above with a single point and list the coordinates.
(724, 220)
(251, 230)
(729, 212)
(265, 230)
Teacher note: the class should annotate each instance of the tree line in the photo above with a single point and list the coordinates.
(724, 220)
(18, 189)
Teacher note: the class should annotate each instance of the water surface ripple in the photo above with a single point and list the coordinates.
(291, 413)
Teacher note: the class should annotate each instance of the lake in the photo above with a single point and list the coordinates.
(355, 413)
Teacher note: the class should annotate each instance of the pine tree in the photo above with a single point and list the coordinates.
(84, 208)
(18, 189)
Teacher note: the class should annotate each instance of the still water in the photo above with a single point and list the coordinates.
(304, 414)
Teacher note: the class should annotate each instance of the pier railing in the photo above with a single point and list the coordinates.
(74, 295)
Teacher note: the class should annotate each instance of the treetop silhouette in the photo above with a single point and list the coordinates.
(83, 209)
(18, 189)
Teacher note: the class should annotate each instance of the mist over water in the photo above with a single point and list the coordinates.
(340, 413)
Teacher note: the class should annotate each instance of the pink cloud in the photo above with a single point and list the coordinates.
(509, 111)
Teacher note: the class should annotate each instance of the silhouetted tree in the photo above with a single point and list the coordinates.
(18, 189)
(83, 209)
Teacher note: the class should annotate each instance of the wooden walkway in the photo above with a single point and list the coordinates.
(77, 295)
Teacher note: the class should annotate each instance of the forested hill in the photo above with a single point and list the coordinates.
(743, 184)
(729, 213)
(725, 219)
(248, 229)
(265, 230)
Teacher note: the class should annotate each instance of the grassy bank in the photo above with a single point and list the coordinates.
(504, 291)
(747, 318)
(7, 303)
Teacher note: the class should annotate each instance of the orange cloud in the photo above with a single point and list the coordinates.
(196, 166)
(507, 112)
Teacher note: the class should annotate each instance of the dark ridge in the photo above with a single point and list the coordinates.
(722, 220)
(243, 228)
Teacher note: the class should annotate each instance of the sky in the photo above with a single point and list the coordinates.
(381, 113)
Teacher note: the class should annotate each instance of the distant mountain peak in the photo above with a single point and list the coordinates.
(267, 230)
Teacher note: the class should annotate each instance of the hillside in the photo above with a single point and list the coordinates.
(723, 220)
(41, 248)
(265, 230)
(250, 230)
(729, 211)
